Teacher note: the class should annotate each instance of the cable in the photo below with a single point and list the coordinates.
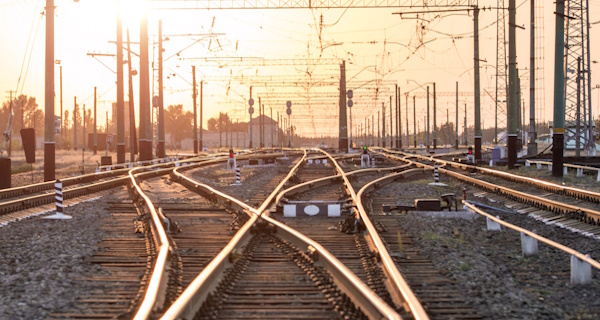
(27, 48)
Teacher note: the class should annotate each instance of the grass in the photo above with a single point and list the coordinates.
(455, 241)
(24, 167)
(400, 244)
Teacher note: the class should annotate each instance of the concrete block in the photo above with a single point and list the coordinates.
(289, 210)
(539, 166)
(527, 164)
(565, 171)
(364, 161)
(579, 172)
(334, 210)
(529, 245)
(493, 225)
(549, 167)
(581, 272)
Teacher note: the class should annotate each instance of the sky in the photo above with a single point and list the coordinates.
(380, 49)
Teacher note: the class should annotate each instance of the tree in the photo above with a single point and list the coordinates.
(178, 123)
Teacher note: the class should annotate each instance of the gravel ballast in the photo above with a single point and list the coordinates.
(42, 259)
(488, 266)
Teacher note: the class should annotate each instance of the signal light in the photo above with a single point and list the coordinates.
(230, 153)
(470, 150)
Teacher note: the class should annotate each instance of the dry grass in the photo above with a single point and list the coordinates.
(68, 164)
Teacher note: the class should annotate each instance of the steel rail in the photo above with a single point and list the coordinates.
(400, 286)
(545, 185)
(547, 241)
(156, 291)
(158, 280)
(536, 201)
(191, 299)
(568, 165)
(67, 181)
(369, 302)
(22, 203)
(331, 179)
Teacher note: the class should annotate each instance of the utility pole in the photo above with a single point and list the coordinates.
(120, 92)
(83, 130)
(373, 129)
(532, 145)
(427, 128)
(49, 141)
(378, 128)
(578, 111)
(200, 143)
(466, 137)
(74, 124)
(399, 121)
(391, 125)
(61, 108)
(272, 127)
(448, 126)
(194, 95)
(145, 127)
(260, 123)
(382, 124)
(407, 127)
(133, 148)
(477, 119)
(513, 103)
(95, 126)
(434, 120)
(456, 125)
(161, 152)
(415, 119)
(250, 111)
(11, 114)
(343, 134)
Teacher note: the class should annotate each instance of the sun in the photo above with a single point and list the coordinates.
(132, 11)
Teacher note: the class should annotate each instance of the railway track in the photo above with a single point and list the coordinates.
(440, 294)
(320, 282)
(197, 252)
(122, 260)
(349, 247)
(276, 257)
(565, 206)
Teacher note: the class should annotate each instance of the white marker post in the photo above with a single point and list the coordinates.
(59, 203)
(238, 177)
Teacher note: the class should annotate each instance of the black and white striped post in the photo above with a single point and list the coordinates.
(436, 177)
(238, 177)
(59, 215)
